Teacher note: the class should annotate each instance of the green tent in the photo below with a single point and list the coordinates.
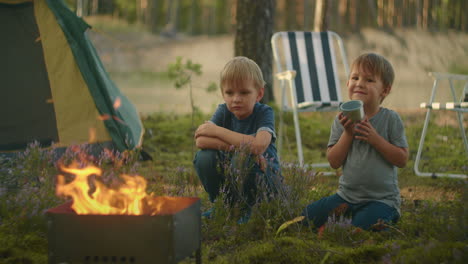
(54, 88)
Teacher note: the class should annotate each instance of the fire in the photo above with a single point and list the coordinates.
(130, 198)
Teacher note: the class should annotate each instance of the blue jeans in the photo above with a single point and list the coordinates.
(213, 165)
(364, 215)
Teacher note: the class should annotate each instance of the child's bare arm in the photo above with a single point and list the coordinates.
(397, 156)
(258, 144)
(211, 143)
(337, 153)
(261, 142)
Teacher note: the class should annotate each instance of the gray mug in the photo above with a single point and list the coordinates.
(353, 109)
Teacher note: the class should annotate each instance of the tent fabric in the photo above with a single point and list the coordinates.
(26, 115)
(124, 124)
(76, 113)
(82, 104)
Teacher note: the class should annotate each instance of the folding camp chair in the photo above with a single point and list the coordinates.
(306, 65)
(459, 106)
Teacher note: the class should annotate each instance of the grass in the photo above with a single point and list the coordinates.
(433, 227)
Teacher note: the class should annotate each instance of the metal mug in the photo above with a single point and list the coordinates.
(353, 109)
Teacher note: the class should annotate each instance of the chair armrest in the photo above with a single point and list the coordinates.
(286, 75)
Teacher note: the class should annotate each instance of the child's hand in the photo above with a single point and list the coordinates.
(346, 123)
(261, 161)
(367, 132)
(206, 129)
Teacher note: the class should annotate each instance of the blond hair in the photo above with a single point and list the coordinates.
(375, 64)
(240, 70)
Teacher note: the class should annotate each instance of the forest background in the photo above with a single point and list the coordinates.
(138, 39)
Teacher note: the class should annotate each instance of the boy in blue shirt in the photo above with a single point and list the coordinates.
(241, 122)
(369, 151)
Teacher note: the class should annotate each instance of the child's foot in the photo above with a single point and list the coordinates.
(245, 217)
(208, 214)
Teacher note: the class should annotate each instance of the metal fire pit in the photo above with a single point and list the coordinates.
(167, 237)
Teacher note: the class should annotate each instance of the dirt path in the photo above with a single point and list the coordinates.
(412, 53)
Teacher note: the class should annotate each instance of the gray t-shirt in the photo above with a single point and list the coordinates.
(367, 176)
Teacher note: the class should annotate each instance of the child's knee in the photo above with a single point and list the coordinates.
(377, 219)
(206, 158)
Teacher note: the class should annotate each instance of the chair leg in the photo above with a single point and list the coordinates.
(281, 120)
(421, 144)
(298, 138)
(462, 130)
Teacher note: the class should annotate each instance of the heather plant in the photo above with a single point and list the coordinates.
(432, 228)
(27, 188)
(180, 182)
(339, 230)
(236, 168)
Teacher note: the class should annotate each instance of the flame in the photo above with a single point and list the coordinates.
(130, 198)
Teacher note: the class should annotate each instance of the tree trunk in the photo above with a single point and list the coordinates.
(79, 8)
(391, 13)
(306, 16)
(373, 12)
(418, 14)
(139, 10)
(342, 12)
(291, 14)
(353, 15)
(254, 29)
(425, 22)
(399, 11)
(94, 9)
(381, 14)
(151, 15)
(320, 20)
(463, 17)
(172, 18)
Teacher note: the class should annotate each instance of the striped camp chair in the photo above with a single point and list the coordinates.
(306, 66)
(459, 105)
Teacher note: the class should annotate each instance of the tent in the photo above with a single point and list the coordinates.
(54, 88)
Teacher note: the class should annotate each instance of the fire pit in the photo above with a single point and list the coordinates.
(169, 236)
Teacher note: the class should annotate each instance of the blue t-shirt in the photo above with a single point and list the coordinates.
(367, 175)
(261, 119)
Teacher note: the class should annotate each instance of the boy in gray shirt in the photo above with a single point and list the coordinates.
(369, 151)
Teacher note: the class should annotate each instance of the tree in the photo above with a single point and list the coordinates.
(254, 28)
(320, 21)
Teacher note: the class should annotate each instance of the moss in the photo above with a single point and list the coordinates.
(433, 251)
(18, 256)
(278, 250)
(369, 253)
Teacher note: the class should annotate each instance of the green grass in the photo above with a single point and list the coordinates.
(433, 227)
